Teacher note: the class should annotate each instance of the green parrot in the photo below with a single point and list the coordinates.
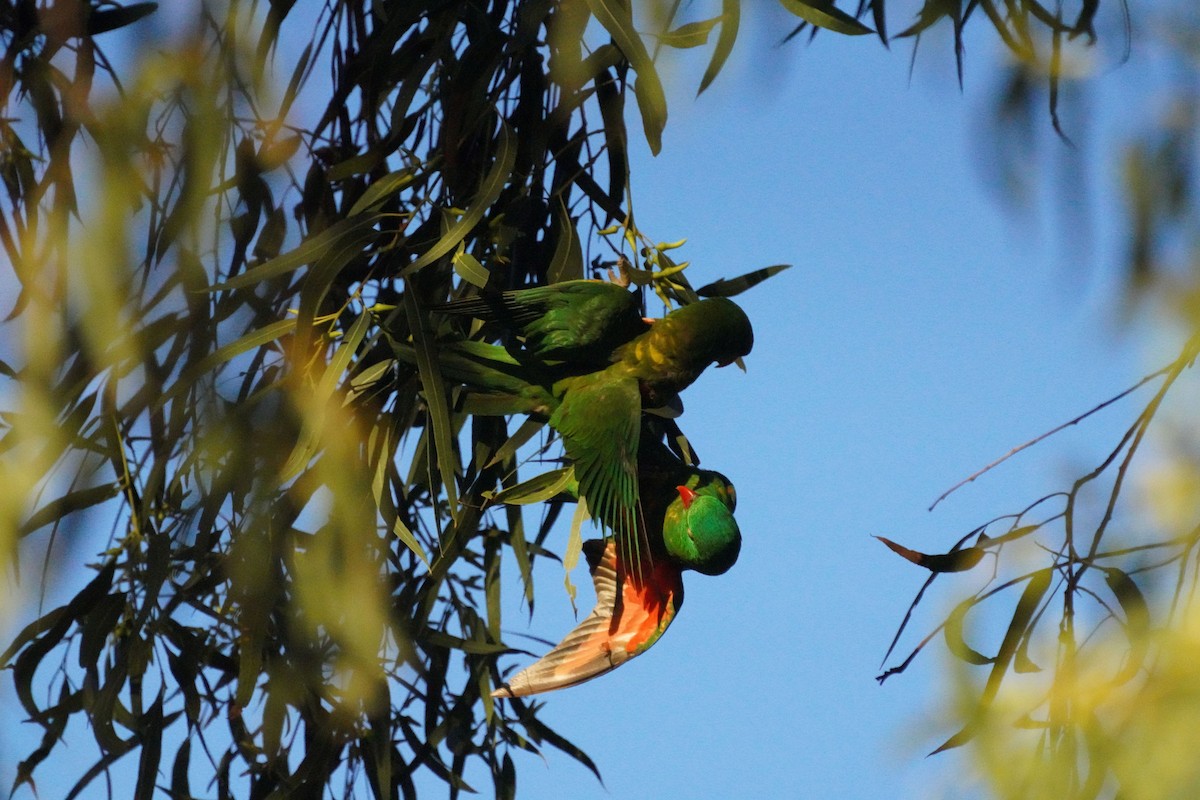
(635, 603)
(579, 322)
(598, 413)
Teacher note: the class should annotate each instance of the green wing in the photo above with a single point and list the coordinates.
(600, 423)
(581, 322)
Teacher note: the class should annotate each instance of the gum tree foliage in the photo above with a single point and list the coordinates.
(215, 240)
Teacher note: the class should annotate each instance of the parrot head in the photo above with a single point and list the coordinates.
(699, 530)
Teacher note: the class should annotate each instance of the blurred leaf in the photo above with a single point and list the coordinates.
(693, 34)
(617, 19)
(1137, 620)
(1035, 589)
(824, 14)
(103, 20)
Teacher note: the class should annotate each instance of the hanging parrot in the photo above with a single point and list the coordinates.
(695, 530)
(598, 413)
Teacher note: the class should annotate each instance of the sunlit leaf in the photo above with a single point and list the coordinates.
(537, 489)
(692, 34)
(731, 12)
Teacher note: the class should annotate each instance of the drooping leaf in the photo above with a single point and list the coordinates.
(537, 489)
(954, 561)
(692, 34)
(489, 190)
(1137, 621)
(1031, 597)
(470, 270)
(617, 19)
(731, 12)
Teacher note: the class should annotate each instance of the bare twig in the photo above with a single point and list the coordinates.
(1048, 434)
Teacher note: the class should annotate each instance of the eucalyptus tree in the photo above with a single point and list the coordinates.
(226, 225)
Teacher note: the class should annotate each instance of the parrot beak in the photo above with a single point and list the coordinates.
(686, 495)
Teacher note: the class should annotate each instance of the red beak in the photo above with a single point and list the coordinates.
(686, 495)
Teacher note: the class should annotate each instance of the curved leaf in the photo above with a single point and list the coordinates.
(824, 14)
(731, 12)
(489, 191)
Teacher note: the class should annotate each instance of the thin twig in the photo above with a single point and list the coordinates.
(1049, 433)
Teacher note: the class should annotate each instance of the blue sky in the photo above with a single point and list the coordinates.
(923, 331)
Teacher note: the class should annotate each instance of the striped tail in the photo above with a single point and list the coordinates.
(621, 625)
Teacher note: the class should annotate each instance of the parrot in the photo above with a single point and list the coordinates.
(695, 530)
(597, 409)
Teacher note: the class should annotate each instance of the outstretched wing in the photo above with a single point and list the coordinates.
(599, 419)
(581, 322)
(613, 633)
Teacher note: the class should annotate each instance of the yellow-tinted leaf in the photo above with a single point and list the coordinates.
(731, 12)
(537, 489)
(693, 34)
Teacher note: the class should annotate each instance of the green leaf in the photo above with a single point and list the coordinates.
(529, 428)
(314, 422)
(435, 399)
(567, 262)
(617, 19)
(735, 286)
(309, 251)
(731, 12)
(470, 270)
(381, 190)
(69, 503)
(824, 14)
(537, 489)
(401, 532)
(489, 192)
(253, 339)
(693, 34)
